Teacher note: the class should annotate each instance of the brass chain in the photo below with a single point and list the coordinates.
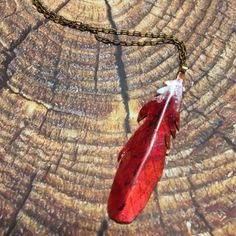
(159, 37)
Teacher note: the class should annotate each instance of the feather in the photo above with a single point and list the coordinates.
(141, 160)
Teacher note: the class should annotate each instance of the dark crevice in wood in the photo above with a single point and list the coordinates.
(3, 72)
(75, 154)
(47, 170)
(17, 134)
(23, 96)
(46, 106)
(14, 158)
(62, 5)
(55, 79)
(138, 20)
(11, 51)
(195, 170)
(121, 72)
(227, 140)
(228, 85)
(79, 194)
(191, 64)
(56, 72)
(43, 121)
(170, 54)
(13, 220)
(10, 144)
(186, 208)
(13, 12)
(54, 109)
(166, 230)
(96, 69)
(206, 118)
(186, 118)
(149, 54)
(55, 84)
(43, 217)
(103, 228)
(58, 162)
(197, 208)
(193, 95)
(205, 136)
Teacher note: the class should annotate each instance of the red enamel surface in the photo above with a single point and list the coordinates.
(131, 191)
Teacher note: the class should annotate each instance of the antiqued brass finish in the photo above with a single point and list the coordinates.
(160, 38)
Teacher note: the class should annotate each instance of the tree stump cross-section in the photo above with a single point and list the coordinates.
(69, 103)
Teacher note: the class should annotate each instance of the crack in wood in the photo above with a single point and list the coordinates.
(58, 162)
(74, 157)
(48, 107)
(227, 140)
(96, 69)
(3, 71)
(166, 230)
(13, 12)
(13, 220)
(11, 51)
(193, 62)
(47, 170)
(55, 84)
(103, 228)
(206, 118)
(11, 90)
(206, 136)
(193, 95)
(43, 121)
(121, 72)
(197, 208)
(17, 134)
(55, 75)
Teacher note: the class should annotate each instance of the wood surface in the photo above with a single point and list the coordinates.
(68, 103)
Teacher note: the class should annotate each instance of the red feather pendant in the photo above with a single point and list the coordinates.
(142, 158)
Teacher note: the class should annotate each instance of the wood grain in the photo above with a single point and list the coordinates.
(68, 103)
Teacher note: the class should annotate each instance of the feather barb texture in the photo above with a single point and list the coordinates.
(141, 160)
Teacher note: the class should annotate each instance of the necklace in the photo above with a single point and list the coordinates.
(141, 160)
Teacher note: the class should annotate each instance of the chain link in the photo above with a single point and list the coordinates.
(158, 37)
